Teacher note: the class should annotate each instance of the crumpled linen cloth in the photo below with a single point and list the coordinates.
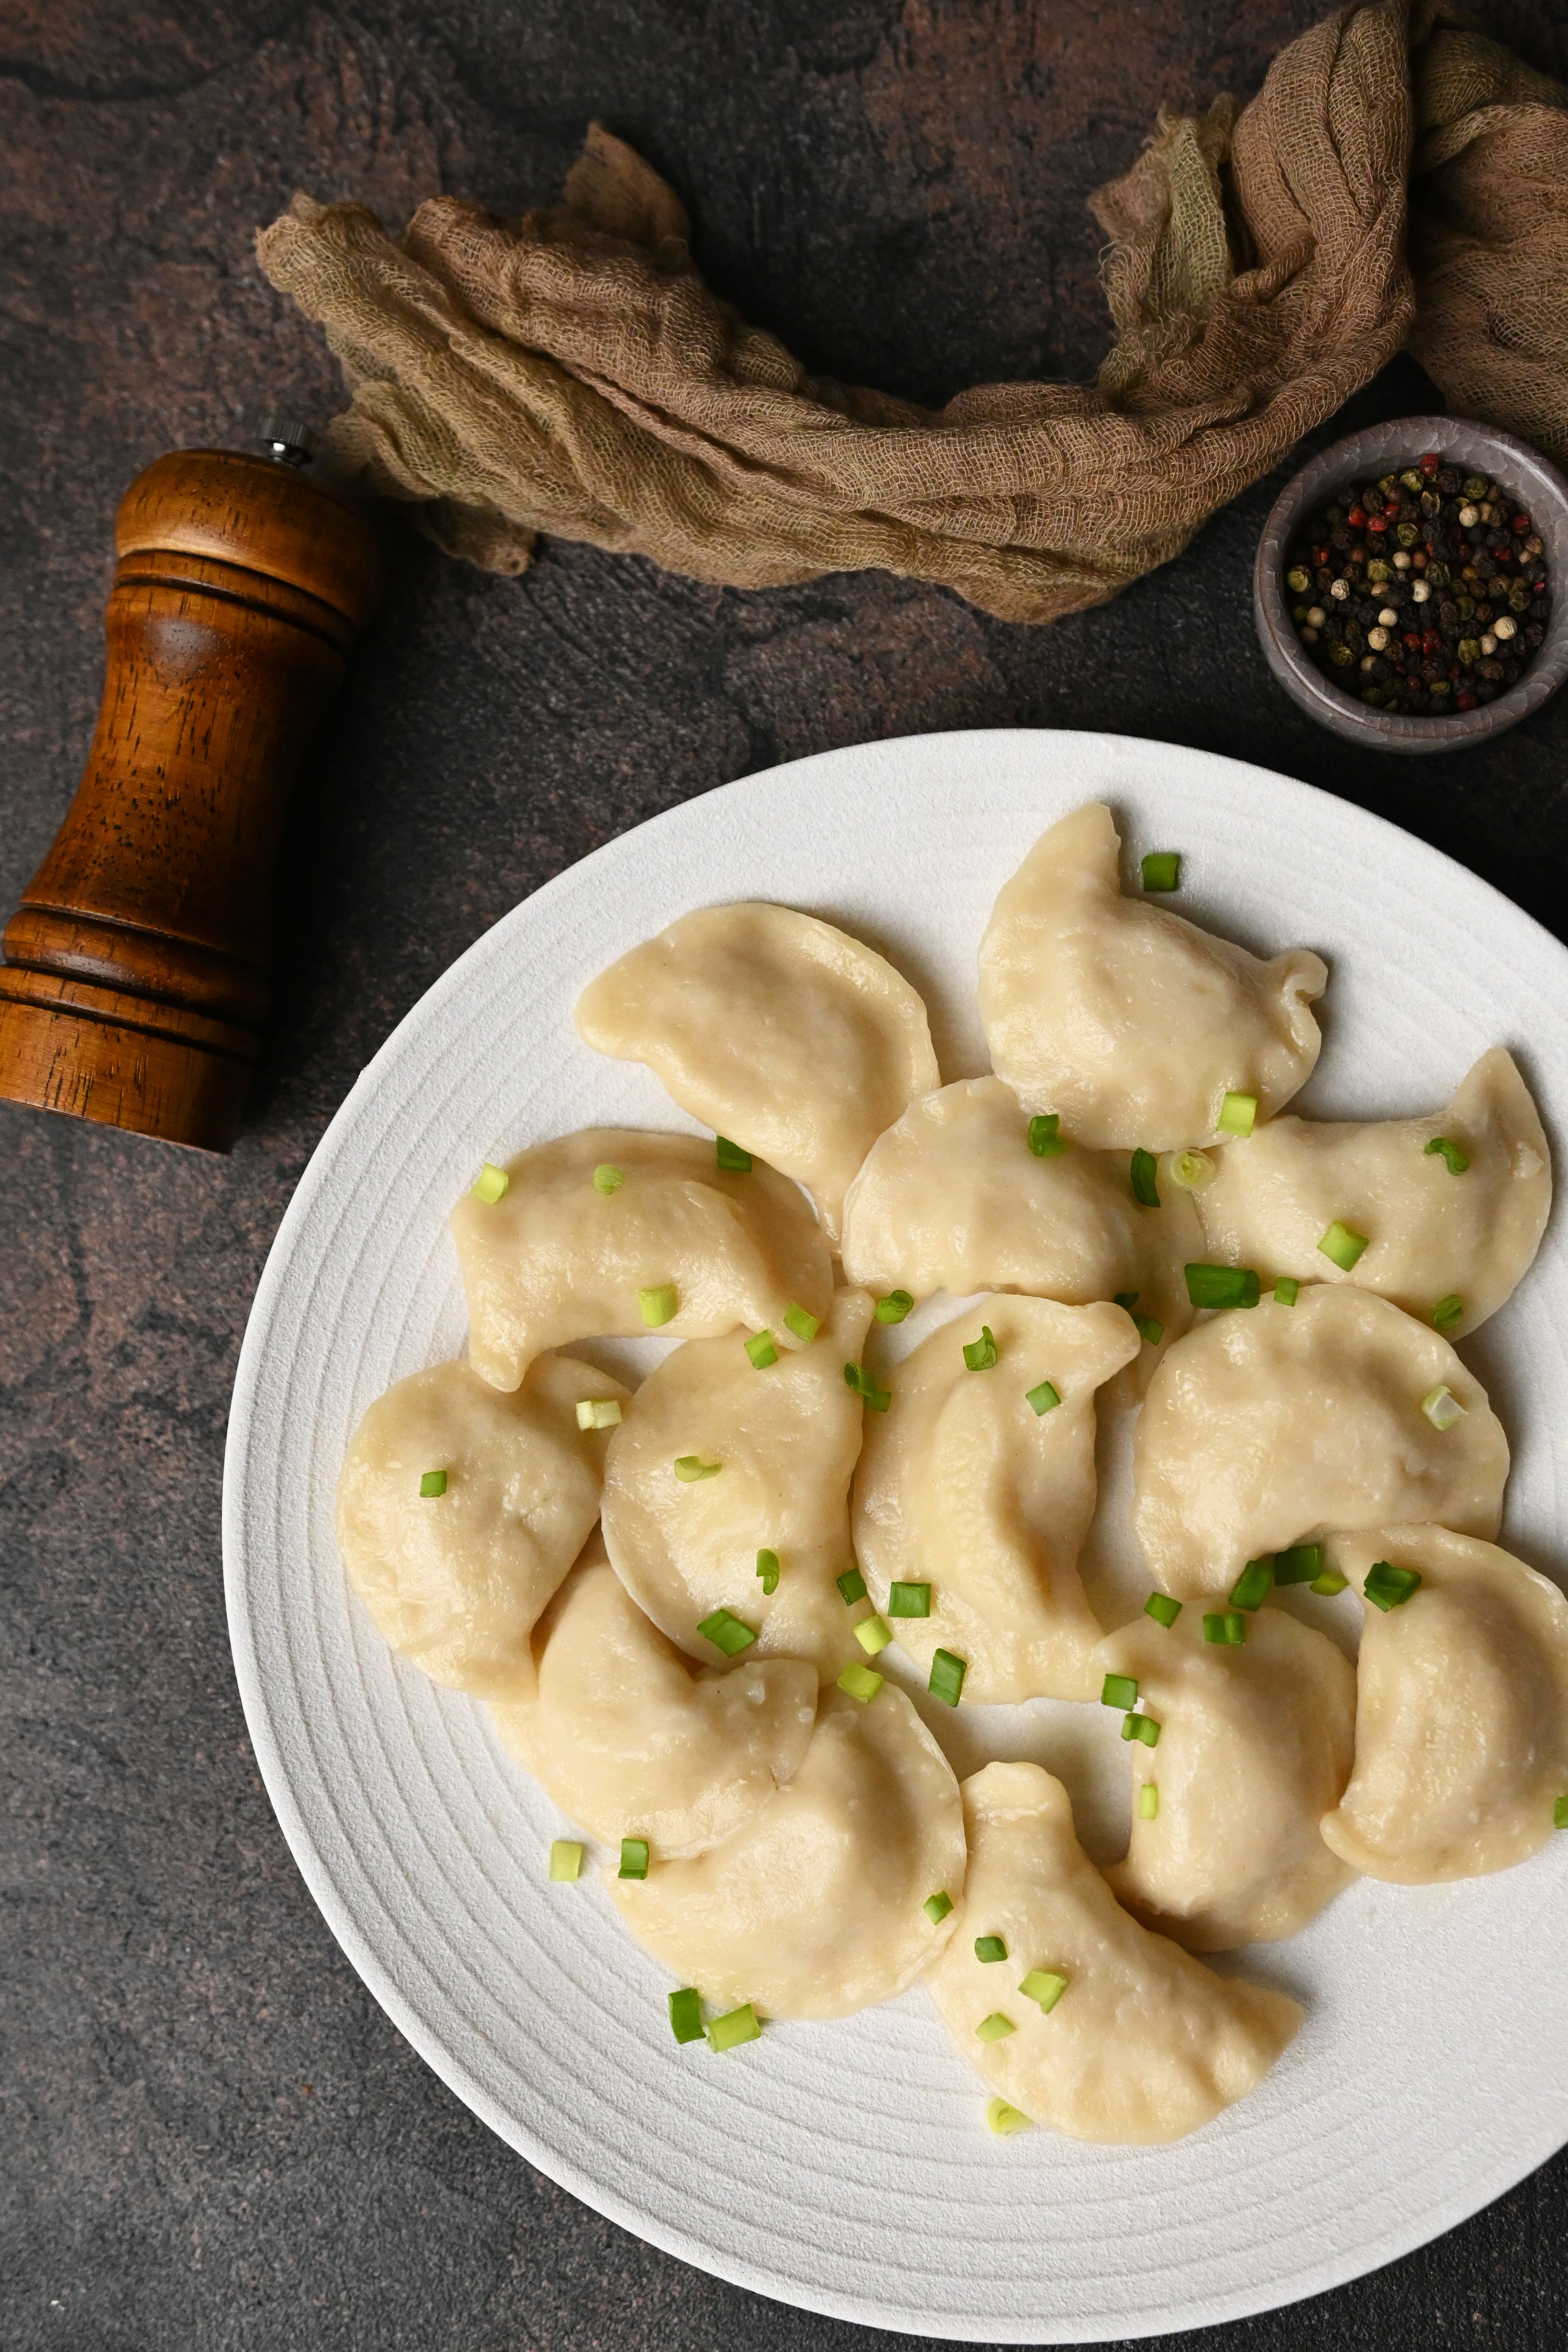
(1399, 179)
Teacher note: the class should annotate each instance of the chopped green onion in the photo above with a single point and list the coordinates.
(1161, 869)
(1287, 1291)
(1343, 1246)
(1228, 1628)
(1045, 1399)
(1442, 1407)
(894, 1307)
(1222, 1286)
(1560, 1814)
(565, 1861)
(803, 1326)
(1044, 1985)
(860, 1682)
(937, 1907)
(1447, 1312)
(1189, 1171)
(1004, 2119)
(768, 1570)
(728, 2031)
(947, 1672)
(1162, 1609)
(1148, 1330)
(490, 1183)
(761, 1348)
(690, 1468)
(607, 1179)
(995, 2028)
(1118, 1690)
(432, 1483)
(657, 1306)
(634, 1858)
(1044, 1140)
(1127, 1300)
(686, 2014)
(980, 1354)
(729, 1155)
(1454, 1160)
(1237, 1115)
(1300, 1565)
(866, 1388)
(1148, 1802)
(1140, 1726)
(990, 1948)
(872, 1635)
(909, 1600)
(1388, 1587)
(1145, 1190)
(851, 1586)
(727, 1633)
(1329, 1583)
(598, 1412)
(1254, 1582)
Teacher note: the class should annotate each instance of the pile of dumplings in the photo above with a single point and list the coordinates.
(677, 1599)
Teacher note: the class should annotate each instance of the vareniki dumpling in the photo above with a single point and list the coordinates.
(784, 1439)
(457, 1580)
(815, 1907)
(1461, 1748)
(791, 1038)
(679, 1245)
(1268, 1426)
(631, 1740)
(1438, 1235)
(1144, 2044)
(1255, 1743)
(975, 1485)
(1122, 1017)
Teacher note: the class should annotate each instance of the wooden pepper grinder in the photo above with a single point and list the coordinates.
(137, 970)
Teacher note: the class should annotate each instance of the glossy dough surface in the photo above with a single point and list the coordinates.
(456, 1581)
(555, 1261)
(1431, 1235)
(1462, 1713)
(1123, 1017)
(792, 1039)
(1256, 1745)
(1146, 2043)
(963, 1486)
(1268, 1426)
(787, 1438)
(813, 1909)
(631, 1740)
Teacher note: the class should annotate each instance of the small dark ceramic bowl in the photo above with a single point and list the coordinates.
(1363, 456)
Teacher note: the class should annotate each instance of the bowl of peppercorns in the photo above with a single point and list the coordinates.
(1405, 590)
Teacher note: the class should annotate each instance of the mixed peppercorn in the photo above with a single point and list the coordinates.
(1426, 591)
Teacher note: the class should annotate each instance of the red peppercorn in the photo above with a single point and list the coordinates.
(1465, 701)
(1377, 522)
(1431, 641)
(1430, 463)
(1319, 554)
(1413, 639)
(1357, 518)
(1522, 522)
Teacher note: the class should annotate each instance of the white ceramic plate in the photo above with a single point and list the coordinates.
(845, 2167)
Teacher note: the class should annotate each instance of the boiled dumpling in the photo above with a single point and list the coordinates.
(631, 1742)
(792, 1039)
(1461, 1749)
(1268, 1426)
(1127, 1020)
(1255, 1745)
(785, 1438)
(1145, 2043)
(457, 1581)
(561, 1258)
(815, 1907)
(1434, 1238)
(967, 1488)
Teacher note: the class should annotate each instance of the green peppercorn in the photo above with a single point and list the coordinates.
(1299, 578)
(1388, 485)
(1474, 486)
(1412, 480)
(1407, 535)
(1377, 569)
(1468, 650)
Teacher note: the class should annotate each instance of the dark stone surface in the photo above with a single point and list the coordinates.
(211, 2136)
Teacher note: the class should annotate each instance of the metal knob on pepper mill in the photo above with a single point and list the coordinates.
(137, 970)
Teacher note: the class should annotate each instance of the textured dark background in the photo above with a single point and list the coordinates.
(210, 2135)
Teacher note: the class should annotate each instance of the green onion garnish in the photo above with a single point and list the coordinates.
(803, 1326)
(909, 1600)
(727, 1633)
(1146, 1190)
(1343, 1246)
(565, 1861)
(1189, 1171)
(995, 2028)
(634, 1858)
(1300, 1565)
(433, 1483)
(1126, 1299)
(1162, 1609)
(1222, 1286)
(686, 2014)
(1140, 1726)
(1004, 2119)
(1447, 1312)
(1287, 1291)
(1118, 1690)
(1044, 1399)
(1228, 1628)
(1560, 1814)
(980, 1355)
(990, 1948)
(607, 1179)
(1147, 1330)
(657, 1306)
(1044, 1140)
(1329, 1583)
(1388, 1587)
(729, 1155)
(1161, 869)
(1252, 1584)
(1442, 1407)
(1148, 1802)
(851, 1586)
(894, 1307)
(866, 1388)
(768, 1570)
(1454, 1160)
(860, 1682)
(1237, 1115)
(1044, 1985)
(947, 1672)
(872, 1635)
(690, 1468)
(728, 2031)
(598, 1412)
(761, 1348)
(937, 1907)
(490, 1183)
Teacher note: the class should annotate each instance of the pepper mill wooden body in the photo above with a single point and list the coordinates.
(137, 970)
